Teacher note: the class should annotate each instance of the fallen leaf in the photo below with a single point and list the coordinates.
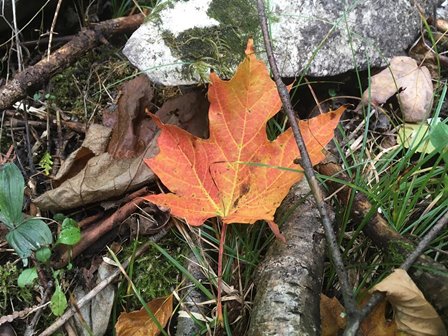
(332, 316)
(413, 314)
(415, 136)
(376, 324)
(237, 173)
(139, 323)
(119, 163)
(131, 128)
(413, 83)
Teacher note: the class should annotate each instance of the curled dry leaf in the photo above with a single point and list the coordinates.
(139, 323)
(411, 81)
(413, 314)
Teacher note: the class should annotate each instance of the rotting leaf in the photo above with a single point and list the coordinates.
(411, 81)
(139, 323)
(79, 182)
(414, 315)
(237, 173)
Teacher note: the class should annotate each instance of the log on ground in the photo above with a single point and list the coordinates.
(290, 279)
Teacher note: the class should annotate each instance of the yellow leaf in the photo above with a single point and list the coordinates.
(413, 314)
(139, 323)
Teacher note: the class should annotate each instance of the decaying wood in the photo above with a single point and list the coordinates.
(290, 279)
(35, 76)
(433, 284)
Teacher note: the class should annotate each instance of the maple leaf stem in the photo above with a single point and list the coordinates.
(335, 252)
(222, 240)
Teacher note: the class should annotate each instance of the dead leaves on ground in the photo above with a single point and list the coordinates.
(413, 315)
(110, 161)
(413, 84)
(140, 323)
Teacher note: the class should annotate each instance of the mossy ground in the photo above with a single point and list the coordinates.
(152, 274)
(91, 83)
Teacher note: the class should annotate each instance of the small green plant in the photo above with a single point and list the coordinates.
(26, 234)
(46, 163)
(70, 234)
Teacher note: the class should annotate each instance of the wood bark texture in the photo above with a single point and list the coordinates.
(35, 76)
(289, 280)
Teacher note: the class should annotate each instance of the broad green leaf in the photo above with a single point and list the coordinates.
(69, 223)
(29, 236)
(43, 254)
(58, 302)
(70, 236)
(11, 195)
(27, 277)
(70, 233)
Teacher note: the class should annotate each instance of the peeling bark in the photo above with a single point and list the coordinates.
(289, 280)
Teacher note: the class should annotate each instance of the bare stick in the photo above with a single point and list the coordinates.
(36, 75)
(308, 170)
(50, 38)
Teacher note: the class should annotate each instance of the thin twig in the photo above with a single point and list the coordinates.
(29, 331)
(17, 39)
(53, 24)
(308, 170)
(411, 259)
(28, 140)
(427, 239)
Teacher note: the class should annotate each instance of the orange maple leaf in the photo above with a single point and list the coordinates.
(237, 173)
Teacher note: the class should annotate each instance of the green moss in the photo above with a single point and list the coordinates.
(398, 251)
(152, 274)
(85, 86)
(21, 297)
(220, 48)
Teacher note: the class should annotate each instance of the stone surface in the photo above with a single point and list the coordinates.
(318, 38)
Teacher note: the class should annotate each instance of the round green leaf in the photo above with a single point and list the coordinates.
(27, 277)
(43, 254)
(69, 236)
(69, 223)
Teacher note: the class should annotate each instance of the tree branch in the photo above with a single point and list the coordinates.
(308, 170)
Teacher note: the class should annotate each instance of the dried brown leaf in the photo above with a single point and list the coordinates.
(332, 316)
(139, 323)
(376, 324)
(411, 81)
(92, 174)
(413, 314)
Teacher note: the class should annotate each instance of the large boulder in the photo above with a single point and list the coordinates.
(182, 41)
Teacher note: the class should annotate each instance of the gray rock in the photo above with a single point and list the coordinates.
(318, 38)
